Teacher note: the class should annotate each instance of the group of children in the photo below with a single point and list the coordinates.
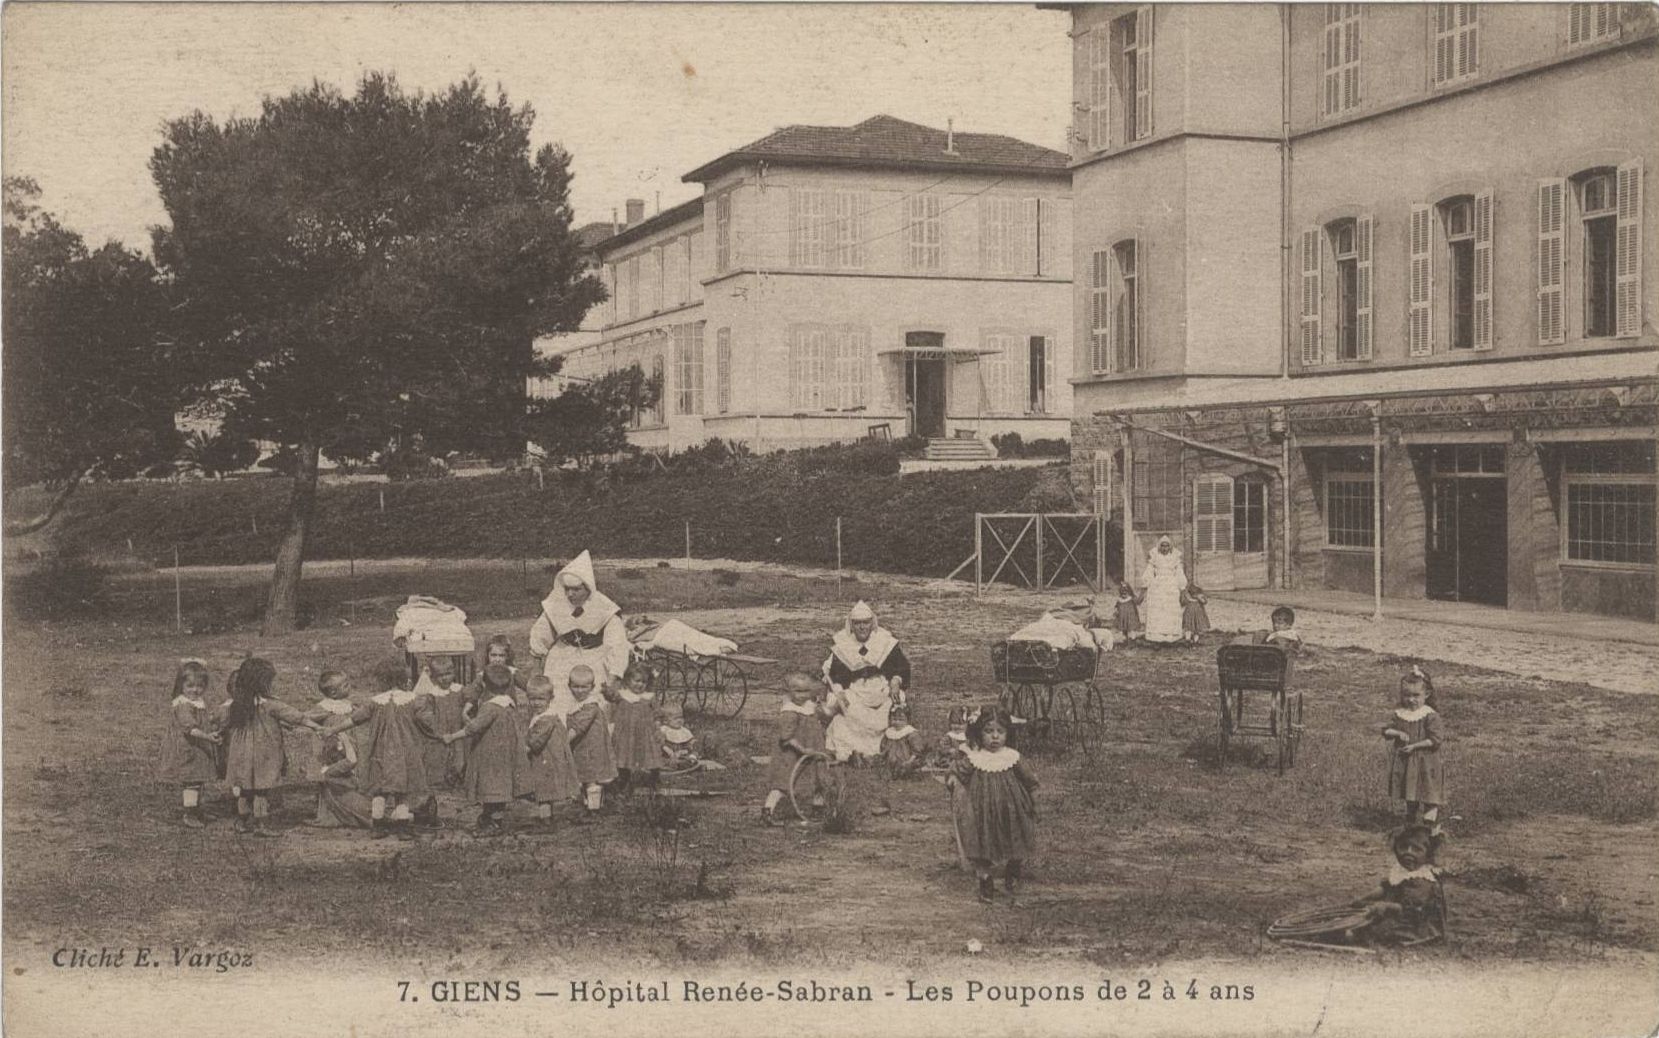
(1126, 623)
(497, 740)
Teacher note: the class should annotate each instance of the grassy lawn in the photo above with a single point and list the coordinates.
(1149, 849)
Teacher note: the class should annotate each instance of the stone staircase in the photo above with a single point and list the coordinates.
(958, 449)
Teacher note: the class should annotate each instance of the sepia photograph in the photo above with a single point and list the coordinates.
(829, 519)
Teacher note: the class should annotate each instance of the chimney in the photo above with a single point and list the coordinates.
(950, 137)
(616, 228)
(636, 210)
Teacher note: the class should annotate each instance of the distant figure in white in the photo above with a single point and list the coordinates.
(1162, 583)
(867, 674)
(578, 625)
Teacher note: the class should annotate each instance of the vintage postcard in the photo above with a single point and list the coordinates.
(830, 519)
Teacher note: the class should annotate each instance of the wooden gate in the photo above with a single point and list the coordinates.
(1039, 550)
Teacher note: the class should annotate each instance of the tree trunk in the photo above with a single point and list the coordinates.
(283, 605)
(23, 526)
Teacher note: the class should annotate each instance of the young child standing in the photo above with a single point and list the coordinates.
(393, 765)
(189, 759)
(1000, 812)
(901, 746)
(590, 738)
(444, 711)
(800, 732)
(636, 742)
(336, 756)
(498, 769)
(1195, 619)
(1127, 618)
(1414, 735)
(552, 776)
(255, 759)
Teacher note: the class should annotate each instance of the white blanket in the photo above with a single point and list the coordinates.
(428, 625)
(1062, 634)
(675, 636)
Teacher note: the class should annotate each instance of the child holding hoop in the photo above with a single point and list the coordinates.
(800, 732)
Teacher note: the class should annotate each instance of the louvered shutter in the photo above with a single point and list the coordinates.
(1212, 513)
(1029, 215)
(1312, 344)
(1420, 297)
(1551, 259)
(1143, 72)
(1143, 284)
(1362, 288)
(1049, 386)
(1100, 310)
(1100, 88)
(1103, 482)
(1483, 270)
(1627, 251)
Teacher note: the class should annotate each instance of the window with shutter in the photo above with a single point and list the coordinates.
(993, 370)
(1362, 288)
(1101, 482)
(1483, 271)
(810, 227)
(1212, 513)
(850, 207)
(1420, 287)
(1127, 304)
(1100, 89)
(1628, 250)
(1551, 260)
(1312, 344)
(1039, 374)
(1587, 23)
(1143, 72)
(1342, 68)
(924, 233)
(1100, 311)
(723, 232)
(852, 362)
(1456, 42)
(653, 279)
(723, 370)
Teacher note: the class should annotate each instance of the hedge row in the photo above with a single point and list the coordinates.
(918, 524)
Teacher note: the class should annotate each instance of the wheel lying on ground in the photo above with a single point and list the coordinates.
(816, 786)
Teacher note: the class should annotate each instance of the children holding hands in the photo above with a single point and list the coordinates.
(190, 758)
(590, 737)
(255, 758)
(498, 768)
(553, 777)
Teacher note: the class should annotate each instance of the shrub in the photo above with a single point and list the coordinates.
(863, 458)
(1009, 444)
(1013, 445)
(727, 577)
(411, 461)
(63, 587)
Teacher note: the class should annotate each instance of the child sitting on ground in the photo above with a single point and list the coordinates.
(800, 732)
(190, 757)
(1405, 907)
(1127, 620)
(901, 746)
(679, 743)
(553, 778)
(1195, 619)
(590, 738)
(953, 743)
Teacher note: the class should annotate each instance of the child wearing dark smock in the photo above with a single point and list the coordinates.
(338, 801)
(1127, 614)
(498, 768)
(255, 758)
(190, 755)
(553, 778)
(636, 741)
(901, 744)
(590, 737)
(800, 732)
(1414, 734)
(1195, 619)
(391, 753)
(1000, 812)
(1405, 909)
(445, 764)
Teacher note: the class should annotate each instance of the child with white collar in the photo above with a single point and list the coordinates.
(498, 768)
(679, 743)
(590, 736)
(800, 732)
(901, 745)
(998, 816)
(191, 755)
(1404, 908)
(553, 778)
(443, 710)
(1414, 735)
(394, 773)
(636, 742)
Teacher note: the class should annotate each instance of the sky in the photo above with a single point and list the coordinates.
(638, 93)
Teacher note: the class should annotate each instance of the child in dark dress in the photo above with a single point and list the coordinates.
(999, 816)
(190, 758)
(800, 732)
(255, 758)
(1414, 735)
(553, 778)
(498, 768)
(1195, 619)
(590, 738)
(901, 745)
(1405, 909)
(1127, 617)
(636, 741)
(392, 761)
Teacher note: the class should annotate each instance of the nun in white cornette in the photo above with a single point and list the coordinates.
(578, 625)
(867, 674)
(1162, 582)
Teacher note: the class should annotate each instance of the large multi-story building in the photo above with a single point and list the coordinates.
(1362, 302)
(831, 281)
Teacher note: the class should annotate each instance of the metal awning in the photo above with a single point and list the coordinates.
(938, 352)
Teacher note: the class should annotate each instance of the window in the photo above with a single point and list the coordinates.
(993, 370)
(659, 410)
(1212, 513)
(1599, 208)
(723, 370)
(724, 254)
(1456, 42)
(1039, 374)
(1458, 222)
(850, 207)
(1587, 23)
(1158, 486)
(1609, 504)
(633, 287)
(1131, 47)
(689, 288)
(1347, 244)
(688, 368)
(1350, 504)
(1249, 515)
(653, 279)
(675, 271)
(1100, 89)
(1341, 58)
(1007, 235)
(828, 367)
(1605, 256)
(1346, 257)
(1100, 312)
(826, 228)
(1125, 303)
(924, 233)
(614, 284)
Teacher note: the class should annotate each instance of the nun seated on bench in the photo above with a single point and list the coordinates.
(867, 674)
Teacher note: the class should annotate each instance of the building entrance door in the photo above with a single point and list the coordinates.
(924, 383)
(1467, 553)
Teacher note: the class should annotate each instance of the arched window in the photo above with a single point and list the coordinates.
(1590, 254)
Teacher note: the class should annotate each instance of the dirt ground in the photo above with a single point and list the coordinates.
(1151, 850)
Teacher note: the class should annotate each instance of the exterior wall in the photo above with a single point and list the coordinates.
(1466, 143)
(1535, 525)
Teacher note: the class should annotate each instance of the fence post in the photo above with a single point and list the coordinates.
(382, 499)
(979, 555)
(838, 549)
(178, 593)
(688, 544)
(1041, 586)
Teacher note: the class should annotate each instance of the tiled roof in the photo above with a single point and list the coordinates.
(589, 235)
(882, 141)
(667, 218)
